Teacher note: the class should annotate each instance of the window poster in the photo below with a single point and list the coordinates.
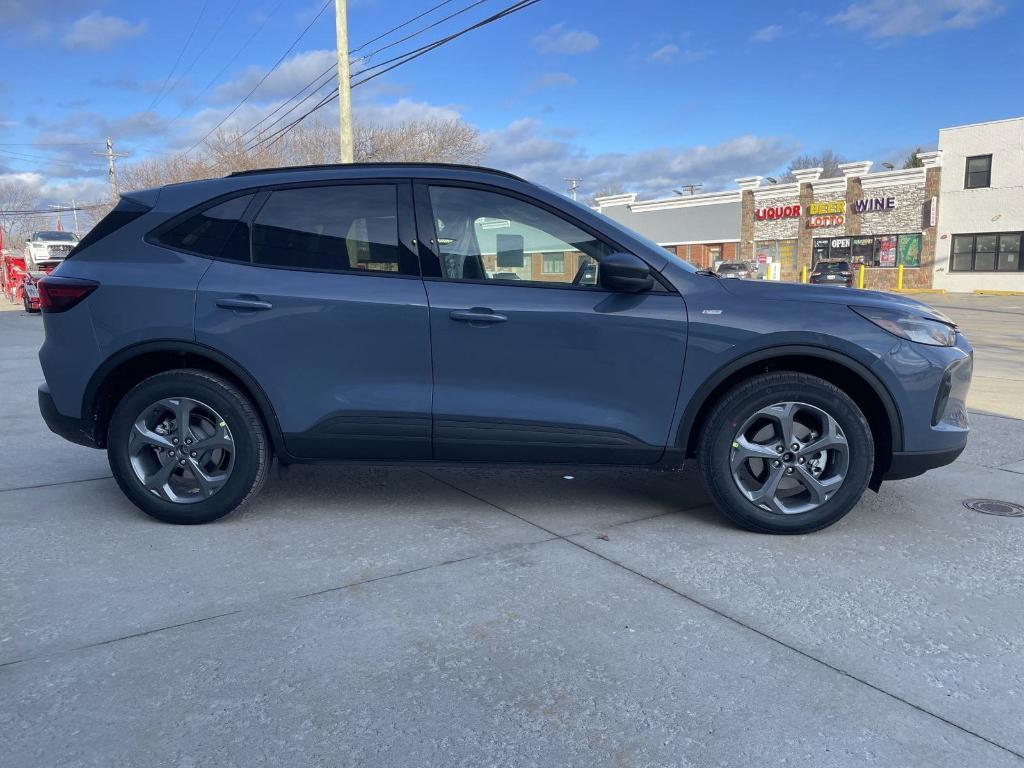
(910, 250)
(887, 251)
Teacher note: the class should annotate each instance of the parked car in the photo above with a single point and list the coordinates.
(344, 313)
(48, 248)
(737, 269)
(832, 273)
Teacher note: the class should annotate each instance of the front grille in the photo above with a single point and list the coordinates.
(58, 251)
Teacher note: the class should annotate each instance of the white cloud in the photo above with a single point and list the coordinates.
(672, 53)
(766, 34)
(403, 111)
(553, 80)
(283, 82)
(558, 39)
(905, 18)
(526, 148)
(665, 54)
(96, 31)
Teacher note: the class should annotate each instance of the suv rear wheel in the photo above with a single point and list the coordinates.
(786, 453)
(187, 447)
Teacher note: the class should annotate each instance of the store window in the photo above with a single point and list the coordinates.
(839, 248)
(553, 264)
(862, 250)
(978, 173)
(714, 254)
(908, 251)
(986, 252)
(820, 249)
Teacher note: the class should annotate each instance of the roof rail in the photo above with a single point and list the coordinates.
(337, 166)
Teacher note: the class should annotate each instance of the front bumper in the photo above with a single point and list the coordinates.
(904, 465)
(79, 431)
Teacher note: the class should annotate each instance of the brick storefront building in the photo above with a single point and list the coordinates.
(880, 220)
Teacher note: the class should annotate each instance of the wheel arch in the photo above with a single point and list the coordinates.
(851, 376)
(127, 367)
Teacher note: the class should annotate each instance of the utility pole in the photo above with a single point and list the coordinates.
(573, 183)
(691, 188)
(344, 84)
(111, 156)
(61, 209)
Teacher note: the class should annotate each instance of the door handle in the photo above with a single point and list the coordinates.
(244, 304)
(477, 315)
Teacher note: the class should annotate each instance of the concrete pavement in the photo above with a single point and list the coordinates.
(406, 617)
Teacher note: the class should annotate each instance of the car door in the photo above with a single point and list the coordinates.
(534, 361)
(329, 316)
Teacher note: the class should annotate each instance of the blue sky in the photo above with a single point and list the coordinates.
(644, 94)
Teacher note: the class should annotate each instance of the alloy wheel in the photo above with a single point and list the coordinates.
(181, 450)
(789, 458)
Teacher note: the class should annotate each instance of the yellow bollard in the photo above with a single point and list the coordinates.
(899, 278)
(803, 274)
(860, 277)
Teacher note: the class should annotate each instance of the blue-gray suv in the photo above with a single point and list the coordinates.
(438, 314)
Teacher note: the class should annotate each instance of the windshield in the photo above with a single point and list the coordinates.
(732, 267)
(66, 237)
(834, 266)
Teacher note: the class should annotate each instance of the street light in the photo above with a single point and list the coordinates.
(888, 166)
(772, 180)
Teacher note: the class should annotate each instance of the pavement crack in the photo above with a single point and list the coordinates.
(122, 637)
(732, 619)
(52, 485)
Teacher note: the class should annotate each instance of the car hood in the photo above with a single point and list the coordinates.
(767, 290)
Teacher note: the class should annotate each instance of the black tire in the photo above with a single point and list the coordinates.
(744, 400)
(251, 448)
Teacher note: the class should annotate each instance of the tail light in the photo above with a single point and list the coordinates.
(59, 294)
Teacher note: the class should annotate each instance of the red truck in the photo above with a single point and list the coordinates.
(20, 273)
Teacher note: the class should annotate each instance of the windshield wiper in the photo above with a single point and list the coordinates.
(709, 273)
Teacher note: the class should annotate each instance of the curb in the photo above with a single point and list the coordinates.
(993, 292)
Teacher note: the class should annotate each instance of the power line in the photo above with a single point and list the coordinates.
(399, 61)
(326, 75)
(181, 53)
(230, 61)
(331, 68)
(403, 24)
(420, 31)
(262, 79)
(203, 50)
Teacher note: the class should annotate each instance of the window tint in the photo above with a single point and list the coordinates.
(214, 231)
(979, 172)
(335, 229)
(488, 236)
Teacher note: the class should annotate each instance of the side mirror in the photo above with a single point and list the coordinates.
(625, 273)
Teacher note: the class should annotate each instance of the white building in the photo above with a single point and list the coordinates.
(981, 210)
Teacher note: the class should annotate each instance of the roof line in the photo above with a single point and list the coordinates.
(364, 166)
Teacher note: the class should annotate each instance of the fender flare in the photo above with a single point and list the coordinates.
(90, 399)
(707, 390)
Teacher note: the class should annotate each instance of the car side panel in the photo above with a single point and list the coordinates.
(145, 293)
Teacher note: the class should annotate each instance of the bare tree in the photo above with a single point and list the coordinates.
(613, 188)
(311, 143)
(827, 160)
(17, 195)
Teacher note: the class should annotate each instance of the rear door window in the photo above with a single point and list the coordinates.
(216, 231)
(343, 228)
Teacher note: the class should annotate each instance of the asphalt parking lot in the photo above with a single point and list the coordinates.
(399, 617)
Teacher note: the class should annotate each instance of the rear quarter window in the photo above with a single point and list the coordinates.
(216, 231)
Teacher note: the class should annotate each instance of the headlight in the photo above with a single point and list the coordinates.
(923, 330)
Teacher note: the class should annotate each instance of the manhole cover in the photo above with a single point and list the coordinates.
(993, 507)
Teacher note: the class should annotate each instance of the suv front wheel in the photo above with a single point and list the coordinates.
(786, 453)
(186, 446)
